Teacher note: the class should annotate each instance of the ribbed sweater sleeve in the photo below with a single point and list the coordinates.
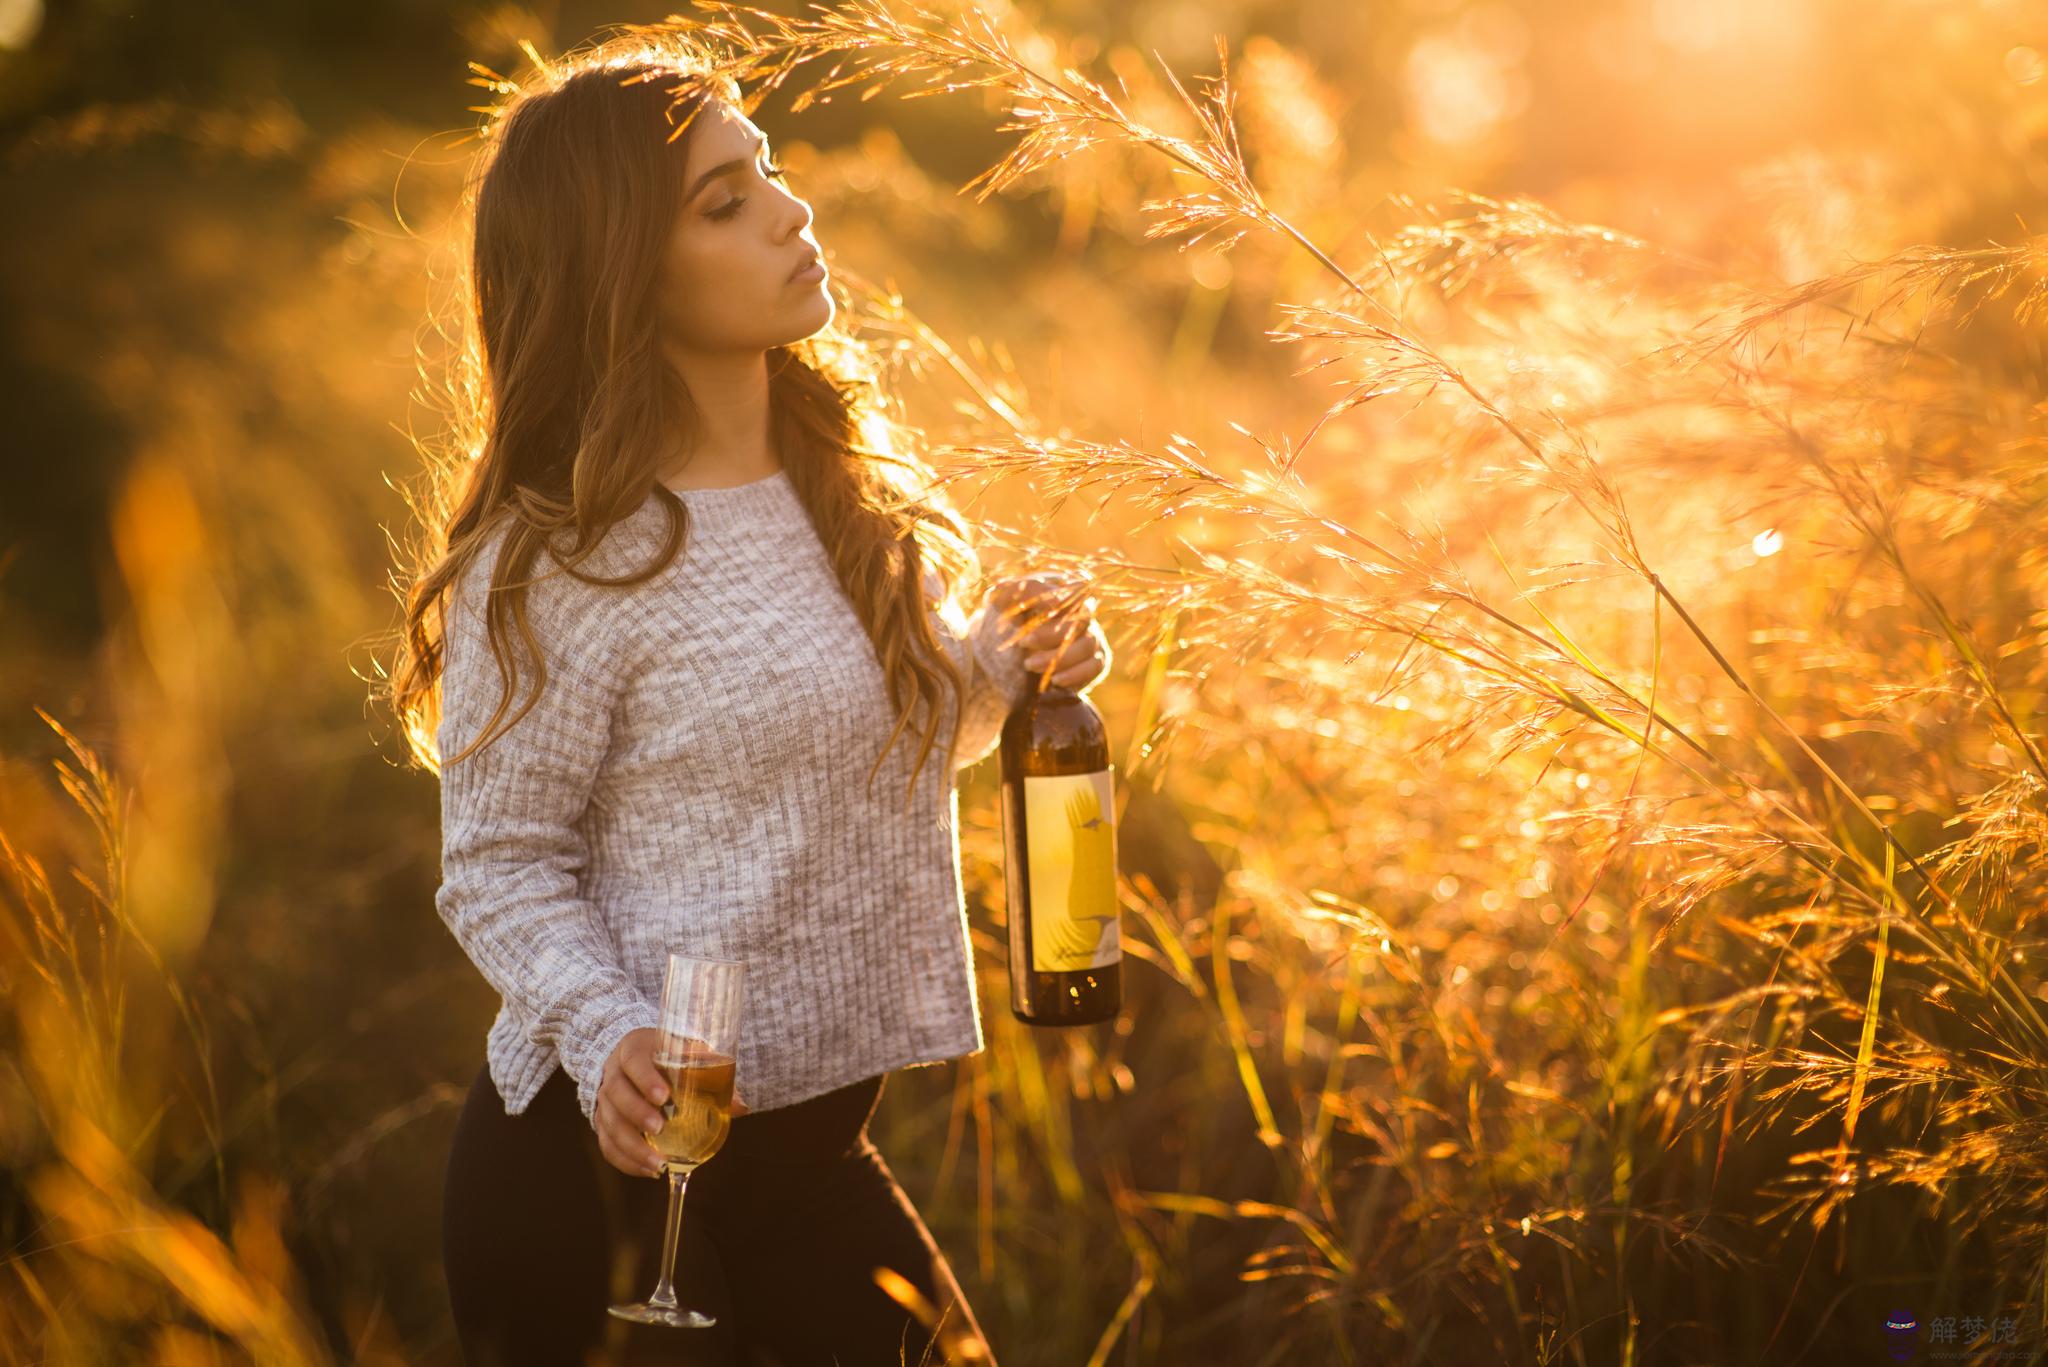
(512, 845)
(996, 683)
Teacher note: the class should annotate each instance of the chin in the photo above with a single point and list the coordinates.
(814, 316)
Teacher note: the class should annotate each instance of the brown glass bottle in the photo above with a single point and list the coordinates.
(1059, 860)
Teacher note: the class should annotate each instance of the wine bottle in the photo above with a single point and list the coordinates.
(1059, 860)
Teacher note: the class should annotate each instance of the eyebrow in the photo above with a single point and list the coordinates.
(724, 168)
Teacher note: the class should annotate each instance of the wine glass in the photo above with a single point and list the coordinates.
(700, 1012)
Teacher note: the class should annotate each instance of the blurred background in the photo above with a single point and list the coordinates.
(1460, 1026)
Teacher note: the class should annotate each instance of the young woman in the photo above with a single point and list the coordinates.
(677, 604)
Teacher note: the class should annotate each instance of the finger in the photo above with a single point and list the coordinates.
(617, 1159)
(640, 1068)
(1017, 597)
(1038, 581)
(1049, 637)
(646, 1163)
(633, 1138)
(605, 1119)
(1031, 627)
(1066, 602)
(1058, 652)
(1072, 654)
(1060, 635)
(610, 1149)
(632, 1111)
(1062, 604)
(629, 1152)
(646, 1157)
(1047, 609)
(1087, 661)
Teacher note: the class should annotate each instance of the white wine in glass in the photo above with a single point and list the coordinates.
(698, 1111)
(700, 1011)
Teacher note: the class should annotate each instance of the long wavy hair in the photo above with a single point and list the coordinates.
(562, 407)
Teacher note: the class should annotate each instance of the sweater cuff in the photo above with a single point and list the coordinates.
(1001, 665)
(585, 1049)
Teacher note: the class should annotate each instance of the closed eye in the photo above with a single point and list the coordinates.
(773, 171)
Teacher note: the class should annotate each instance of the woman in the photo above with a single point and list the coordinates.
(684, 545)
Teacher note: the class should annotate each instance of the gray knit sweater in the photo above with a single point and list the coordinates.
(694, 777)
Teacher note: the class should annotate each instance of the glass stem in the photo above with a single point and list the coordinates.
(665, 1292)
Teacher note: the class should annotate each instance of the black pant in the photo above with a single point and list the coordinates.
(781, 1230)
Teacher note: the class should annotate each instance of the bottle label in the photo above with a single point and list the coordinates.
(1070, 825)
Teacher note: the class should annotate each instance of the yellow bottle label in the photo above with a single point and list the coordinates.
(1070, 823)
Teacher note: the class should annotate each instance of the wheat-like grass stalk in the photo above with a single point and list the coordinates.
(95, 1192)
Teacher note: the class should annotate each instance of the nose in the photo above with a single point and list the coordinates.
(797, 209)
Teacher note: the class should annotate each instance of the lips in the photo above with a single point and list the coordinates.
(809, 261)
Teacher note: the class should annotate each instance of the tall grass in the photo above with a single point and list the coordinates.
(1750, 968)
(112, 1267)
(1582, 789)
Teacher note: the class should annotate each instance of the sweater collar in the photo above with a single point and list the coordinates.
(769, 502)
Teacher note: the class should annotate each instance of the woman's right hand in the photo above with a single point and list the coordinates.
(630, 1095)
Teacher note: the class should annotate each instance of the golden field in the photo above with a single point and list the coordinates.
(1564, 485)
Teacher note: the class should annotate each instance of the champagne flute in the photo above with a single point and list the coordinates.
(699, 1036)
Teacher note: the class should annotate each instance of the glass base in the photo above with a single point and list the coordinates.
(674, 1316)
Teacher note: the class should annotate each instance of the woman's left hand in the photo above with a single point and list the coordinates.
(1070, 649)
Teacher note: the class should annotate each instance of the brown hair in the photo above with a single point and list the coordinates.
(559, 395)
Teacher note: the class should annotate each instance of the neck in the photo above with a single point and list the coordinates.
(729, 391)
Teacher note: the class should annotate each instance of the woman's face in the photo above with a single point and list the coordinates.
(725, 282)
